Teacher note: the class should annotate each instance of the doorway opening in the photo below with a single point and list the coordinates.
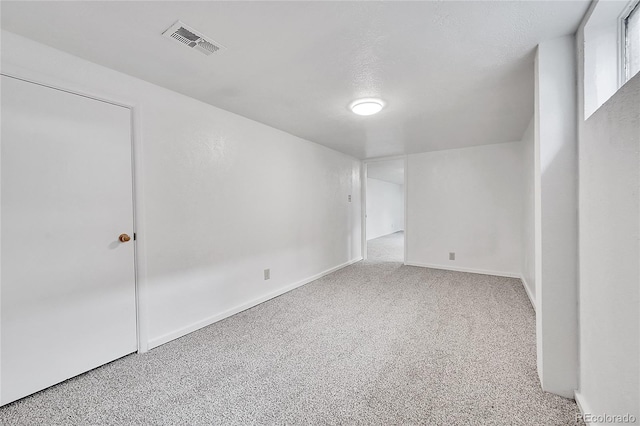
(385, 210)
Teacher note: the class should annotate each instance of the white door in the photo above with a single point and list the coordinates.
(67, 284)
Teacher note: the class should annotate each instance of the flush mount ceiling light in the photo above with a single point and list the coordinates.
(367, 106)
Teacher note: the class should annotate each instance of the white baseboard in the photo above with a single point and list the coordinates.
(155, 342)
(461, 269)
(526, 289)
(582, 405)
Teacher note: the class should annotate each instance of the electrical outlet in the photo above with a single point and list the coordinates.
(349, 197)
(452, 256)
(267, 274)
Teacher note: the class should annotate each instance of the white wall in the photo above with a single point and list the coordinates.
(528, 208)
(385, 208)
(220, 197)
(609, 160)
(467, 201)
(556, 218)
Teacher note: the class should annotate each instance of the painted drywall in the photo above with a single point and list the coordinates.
(388, 170)
(610, 255)
(385, 208)
(220, 197)
(467, 201)
(528, 211)
(609, 197)
(556, 218)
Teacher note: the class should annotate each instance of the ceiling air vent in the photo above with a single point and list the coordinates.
(191, 38)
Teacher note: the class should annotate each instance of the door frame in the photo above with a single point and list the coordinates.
(139, 257)
(363, 197)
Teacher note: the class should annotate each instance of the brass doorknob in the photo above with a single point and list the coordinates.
(124, 238)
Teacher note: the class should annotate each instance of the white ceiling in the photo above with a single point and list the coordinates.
(453, 74)
(388, 171)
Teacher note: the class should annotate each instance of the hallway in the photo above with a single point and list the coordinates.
(389, 248)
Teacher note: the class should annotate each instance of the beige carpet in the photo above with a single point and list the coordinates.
(376, 343)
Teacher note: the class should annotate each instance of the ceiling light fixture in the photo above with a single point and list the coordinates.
(367, 106)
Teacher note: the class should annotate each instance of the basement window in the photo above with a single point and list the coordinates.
(632, 42)
(611, 43)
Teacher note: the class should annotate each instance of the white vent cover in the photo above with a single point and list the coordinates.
(191, 38)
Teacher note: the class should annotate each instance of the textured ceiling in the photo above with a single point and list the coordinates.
(453, 74)
(388, 171)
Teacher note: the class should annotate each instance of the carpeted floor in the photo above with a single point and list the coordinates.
(375, 343)
(389, 248)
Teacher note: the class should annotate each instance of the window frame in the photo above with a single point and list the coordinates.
(632, 7)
